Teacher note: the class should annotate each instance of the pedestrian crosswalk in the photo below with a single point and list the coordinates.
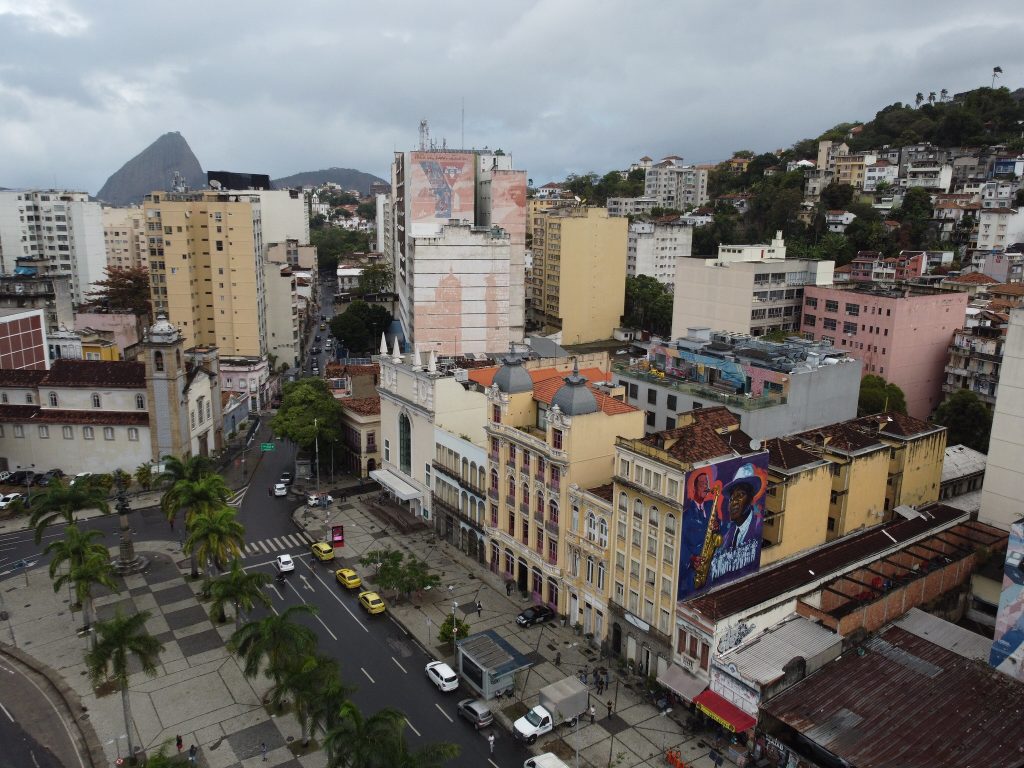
(288, 541)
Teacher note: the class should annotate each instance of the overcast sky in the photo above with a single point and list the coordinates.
(564, 86)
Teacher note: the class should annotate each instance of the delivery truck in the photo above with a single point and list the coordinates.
(565, 701)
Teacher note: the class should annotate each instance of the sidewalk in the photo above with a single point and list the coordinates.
(636, 734)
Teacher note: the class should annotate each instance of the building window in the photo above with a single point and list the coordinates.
(652, 396)
(556, 438)
(670, 402)
(850, 328)
(69, 433)
(133, 433)
(140, 402)
(87, 433)
(809, 320)
(853, 310)
(3, 398)
(108, 433)
(387, 450)
(44, 432)
(831, 306)
(19, 431)
(158, 363)
(602, 532)
(28, 398)
(405, 443)
(53, 399)
(828, 323)
(600, 575)
(496, 414)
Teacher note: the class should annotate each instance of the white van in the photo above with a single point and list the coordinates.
(547, 760)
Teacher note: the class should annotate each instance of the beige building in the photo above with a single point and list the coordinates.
(124, 236)
(284, 339)
(206, 268)
(360, 426)
(578, 281)
(849, 168)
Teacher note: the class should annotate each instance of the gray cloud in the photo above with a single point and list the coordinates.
(566, 86)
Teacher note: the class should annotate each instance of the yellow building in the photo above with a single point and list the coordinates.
(99, 345)
(546, 433)
(206, 268)
(578, 279)
(916, 451)
(849, 169)
(796, 511)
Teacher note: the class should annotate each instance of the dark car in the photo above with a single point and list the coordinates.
(317, 337)
(476, 712)
(286, 478)
(315, 350)
(537, 614)
(47, 477)
(21, 477)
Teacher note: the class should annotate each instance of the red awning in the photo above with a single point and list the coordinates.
(724, 712)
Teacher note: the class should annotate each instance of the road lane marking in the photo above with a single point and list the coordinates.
(493, 763)
(444, 713)
(368, 676)
(67, 728)
(7, 713)
(412, 727)
(334, 594)
(399, 665)
(333, 636)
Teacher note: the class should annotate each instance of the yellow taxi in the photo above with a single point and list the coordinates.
(371, 602)
(322, 550)
(348, 578)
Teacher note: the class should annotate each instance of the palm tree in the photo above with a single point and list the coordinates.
(60, 502)
(95, 569)
(205, 493)
(274, 640)
(363, 742)
(931, 97)
(144, 476)
(214, 534)
(304, 681)
(119, 638)
(919, 98)
(943, 94)
(240, 589)
(996, 72)
(192, 468)
(73, 548)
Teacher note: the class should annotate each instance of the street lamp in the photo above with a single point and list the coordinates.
(455, 626)
(127, 561)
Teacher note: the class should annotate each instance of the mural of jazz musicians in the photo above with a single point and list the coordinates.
(723, 515)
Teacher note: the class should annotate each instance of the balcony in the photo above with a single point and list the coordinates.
(440, 503)
(551, 526)
(493, 493)
(702, 390)
(524, 507)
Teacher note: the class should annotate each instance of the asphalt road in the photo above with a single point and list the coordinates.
(33, 732)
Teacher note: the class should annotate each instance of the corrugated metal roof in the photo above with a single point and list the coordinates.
(901, 701)
(946, 634)
(961, 461)
(762, 659)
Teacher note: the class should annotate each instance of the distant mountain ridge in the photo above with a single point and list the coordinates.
(152, 170)
(346, 178)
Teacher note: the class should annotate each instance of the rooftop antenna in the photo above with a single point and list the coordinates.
(424, 135)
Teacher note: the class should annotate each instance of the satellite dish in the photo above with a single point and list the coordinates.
(214, 184)
(755, 445)
(576, 198)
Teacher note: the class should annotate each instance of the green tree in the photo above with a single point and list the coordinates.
(879, 396)
(125, 289)
(308, 410)
(387, 565)
(363, 742)
(967, 419)
(268, 644)
(334, 242)
(120, 639)
(305, 680)
(93, 571)
(192, 468)
(194, 496)
(74, 548)
(377, 278)
(415, 576)
(367, 210)
(240, 589)
(836, 196)
(643, 293)
(143, 476)
(360, 327)
(214, 536)
(61, 501)
(452, 629)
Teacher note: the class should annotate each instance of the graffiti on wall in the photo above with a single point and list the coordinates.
(508, 203)
(723, 516)
(1007, 653)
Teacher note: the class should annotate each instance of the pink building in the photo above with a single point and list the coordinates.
(124, 326)
(900, 333)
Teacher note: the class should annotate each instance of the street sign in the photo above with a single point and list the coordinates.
(264, 447)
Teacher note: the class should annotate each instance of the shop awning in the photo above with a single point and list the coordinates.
(725, 713)
(395, 484)
(681, 682)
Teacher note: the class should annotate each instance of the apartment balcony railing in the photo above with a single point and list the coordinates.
(701, 390)
(551, 526)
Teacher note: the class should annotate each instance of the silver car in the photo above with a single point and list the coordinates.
(476, 712)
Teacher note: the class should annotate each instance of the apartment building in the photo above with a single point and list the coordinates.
(459, 495)
(976, 356)
(927, 174)
(26, 290)
(578, 280)
(999, 228)
(675, 185)
(284, 339)
(630, 206)
(56, 232)
(880, 172)
(899, 333)
(124, 238)
(360, 426)
(849, 168)
(828, 151)
(751, 289)
(797, 503)
(872, 267)
(546, 433)
(653, 249)
(457, 243)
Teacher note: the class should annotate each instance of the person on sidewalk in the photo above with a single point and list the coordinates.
(479, 608)
(593, 714)
(263, 750)
(508, 588)
(192, 754)
(609, 709)
(490, 742)
(179, 743)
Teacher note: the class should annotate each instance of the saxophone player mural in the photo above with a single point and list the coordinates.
(723, 514)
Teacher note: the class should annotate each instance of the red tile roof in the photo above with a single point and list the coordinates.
(972, 278)
(545, 390)
(784, 453)
(902, 701)
(698, 442)
(843, 436)
(340, 369)
(364, 406)
(603, 491)
(894, 424)
(485, 376)
(1007, 289)
(21, 377)
(96, 373)
(99, 417)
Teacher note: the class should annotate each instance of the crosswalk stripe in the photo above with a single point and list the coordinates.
(276, 542)
(298, 541)
(250, 549)
(263, 546)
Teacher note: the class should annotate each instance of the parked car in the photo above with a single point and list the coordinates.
(443, 676)
(348, 578)
(371, 602)
(476, 712)
(47, 477)
(536, 614)
(285, 564)
(322, 550)
(80, 477)
(315, 350)
(280, 489)
(9, 498)
(21, 477)
(323, 500)
(4, 475)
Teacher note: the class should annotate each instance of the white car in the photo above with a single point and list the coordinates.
(322, 500)
(9, 498)
(280, 489)
(285, 563)
(443, 676)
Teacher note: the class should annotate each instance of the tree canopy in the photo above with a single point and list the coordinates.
(967, 419)
(877, 396)
(360, 327)
(303, 402)
(334, 242)
(377, 278)
(125, 289)
(596, 190)
(648, 305)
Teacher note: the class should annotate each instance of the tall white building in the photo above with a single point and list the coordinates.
(675, 185)
(653, 249)
(56, 232)
(124, 237)
(457, 242)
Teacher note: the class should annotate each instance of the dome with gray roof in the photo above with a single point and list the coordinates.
(574, 398)
(512, 378)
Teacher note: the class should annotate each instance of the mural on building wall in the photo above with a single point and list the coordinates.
(441, 185)
(1007, 653)
(723, 515)
(705, 369)
(508, 203)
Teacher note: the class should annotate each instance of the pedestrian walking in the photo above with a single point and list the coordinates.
(479, 608)
(593, 714)
(179, 743)
(558, 658)
(609, 708)
(270, 491)
(508, 588)
(597, 675)
(192, 754)
(490, 742)
(263, 750)
(600, 686)
(607, 680)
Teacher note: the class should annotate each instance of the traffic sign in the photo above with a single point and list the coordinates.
(264, 447)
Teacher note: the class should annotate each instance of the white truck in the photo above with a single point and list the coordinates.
(547, 760)
(562, 702)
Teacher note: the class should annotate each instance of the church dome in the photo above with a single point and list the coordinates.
(162, 330)
(512, 378)
(574, 398)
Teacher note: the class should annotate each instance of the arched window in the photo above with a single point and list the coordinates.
(526, 494)
(653, 518)
(602, 532)
(591, 526)
(512, 489)
(590, 570)
(638, 510)
(53, 399)
(574, 560)
(623, 503)
(158, 360)
(405, 444)
(140, 402)
(600, 575)
(465, 467)
(553, 511)
(494, 480)
(575, 521)
(96, 402)
(540, 502)
(670, 525)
